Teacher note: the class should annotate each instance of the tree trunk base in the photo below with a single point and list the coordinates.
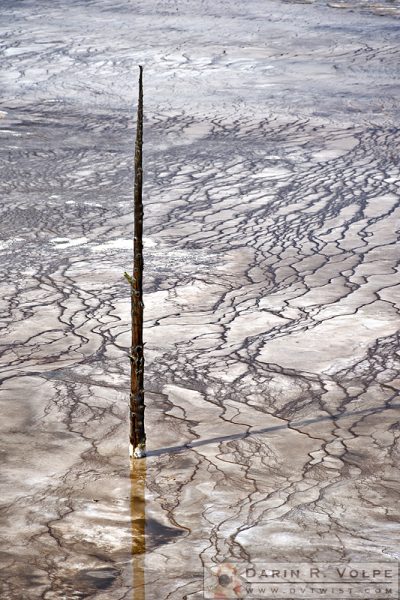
(138, 452)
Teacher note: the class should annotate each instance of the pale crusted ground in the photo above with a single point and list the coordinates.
(271, 202)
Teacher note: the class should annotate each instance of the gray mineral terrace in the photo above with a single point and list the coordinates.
(271, 198)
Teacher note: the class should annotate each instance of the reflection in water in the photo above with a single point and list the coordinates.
(138, 522)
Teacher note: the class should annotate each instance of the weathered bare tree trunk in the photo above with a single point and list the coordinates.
(137, 435)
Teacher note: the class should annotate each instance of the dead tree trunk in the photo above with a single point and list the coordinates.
(137, 435)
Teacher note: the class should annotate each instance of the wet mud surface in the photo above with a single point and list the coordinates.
(271, 291)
